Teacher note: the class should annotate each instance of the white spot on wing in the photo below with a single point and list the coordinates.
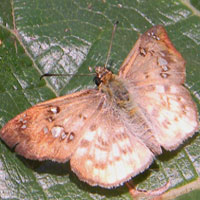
(54, 110)
(63, 135)
(100, 155)
(162, 61)
(23, 126)
(56, 131)
(89, 136)
(110, 173)
(88, 164)
(165, 68)
(115, 150)
(173, 89)
(81, 151)
(160, 88)
(45, 129)
(71, 136)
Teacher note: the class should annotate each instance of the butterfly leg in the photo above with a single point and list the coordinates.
(155, 194)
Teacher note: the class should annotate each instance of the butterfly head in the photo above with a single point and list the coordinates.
(103, 75)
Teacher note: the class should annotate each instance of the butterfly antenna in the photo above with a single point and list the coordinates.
(48, 74)
(110, 47)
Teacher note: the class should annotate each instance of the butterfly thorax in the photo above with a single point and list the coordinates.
(114, 88)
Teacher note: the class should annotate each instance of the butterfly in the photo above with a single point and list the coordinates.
(112, 133)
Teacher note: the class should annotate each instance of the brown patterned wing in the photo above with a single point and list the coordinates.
(52, 129)
(156, 71)
(171, 112)
(81, 127)
(153, 59)
(109, 154)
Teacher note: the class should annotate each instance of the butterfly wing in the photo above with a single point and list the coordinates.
(156, 72)
(109, 154)
(153, 59)
(171, 112)
(83, 128)
(53, 129)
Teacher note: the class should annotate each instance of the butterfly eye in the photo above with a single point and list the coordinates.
(97, 80)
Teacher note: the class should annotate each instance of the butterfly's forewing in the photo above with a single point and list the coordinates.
(109, 153)
(53, 129)
(156, 72)
(153, 60)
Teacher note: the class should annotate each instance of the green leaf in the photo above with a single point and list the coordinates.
(66, 36)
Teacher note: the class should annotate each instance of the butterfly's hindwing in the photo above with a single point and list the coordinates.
(171, 112)
(109, 154)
